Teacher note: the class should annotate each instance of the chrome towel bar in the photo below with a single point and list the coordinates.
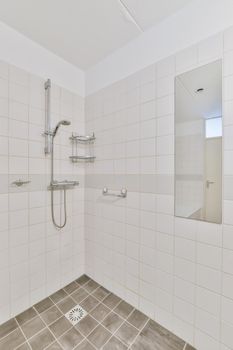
(123, 193)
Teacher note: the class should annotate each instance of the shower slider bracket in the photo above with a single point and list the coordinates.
(47, 133)
(123, 193)
(65, 184)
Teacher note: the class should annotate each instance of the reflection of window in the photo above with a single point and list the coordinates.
(213, 127)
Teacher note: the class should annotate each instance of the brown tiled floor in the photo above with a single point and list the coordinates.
(111, 324)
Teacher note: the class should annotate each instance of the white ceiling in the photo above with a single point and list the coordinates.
(207, 104)
(83, 32)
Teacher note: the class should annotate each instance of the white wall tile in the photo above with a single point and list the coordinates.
(3, 88)
(18, 147)
(4, 70)
(184, 310)
(4, 126)
(210, 49)
(18, 111)
(209, 278)
(227, 334)
(228, 35)
(208, 301)
(3, 107)
(18, 201)
(209, 256)
(185, 249)
(208, 323)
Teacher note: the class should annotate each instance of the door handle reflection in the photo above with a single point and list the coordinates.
(208, 183)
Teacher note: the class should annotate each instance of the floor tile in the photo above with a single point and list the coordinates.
(54, 346)
(32, 327)
(70, 288)
(12, 340)
(89, 303)
(86, 325)
(111, 301)
(155, 337)
(43, 305)
(137, 319)
(100, 293)
(107, 314)
(114, 344)
(123, 309)
(83, 280)
(66, 304)
(99, 336)
(79, 295)
(8, 327)
(127, 333)
(41, 340)
(51, 315)
(58, 296)
(85, 345)
(60, 326)
(26, 316)
(112, 322)
(100, 312)
(70, 339)
(91, 286)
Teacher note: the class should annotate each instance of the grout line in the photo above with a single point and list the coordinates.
(23, 335)
(141, 330)
(99, 323)
(46, 327)
(9, 332)
(114, 333)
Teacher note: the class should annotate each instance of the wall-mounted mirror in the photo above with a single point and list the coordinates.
(198, 143)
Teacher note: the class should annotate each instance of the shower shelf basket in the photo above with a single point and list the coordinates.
(82, 140)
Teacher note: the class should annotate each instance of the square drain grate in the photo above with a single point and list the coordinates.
(76, 314)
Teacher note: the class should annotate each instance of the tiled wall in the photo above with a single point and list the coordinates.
(178, 271)
(35, 258)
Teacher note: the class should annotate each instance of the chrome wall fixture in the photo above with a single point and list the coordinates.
(85, 140)
(47, 133)
(49, 149)
(20, 182)
(123, 193)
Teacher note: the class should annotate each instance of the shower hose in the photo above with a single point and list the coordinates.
(52, 209)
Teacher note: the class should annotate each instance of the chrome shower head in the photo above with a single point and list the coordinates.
(62, 122)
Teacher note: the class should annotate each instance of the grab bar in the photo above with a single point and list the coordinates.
(123, 193)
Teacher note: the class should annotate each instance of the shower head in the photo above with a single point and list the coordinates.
(62, 122)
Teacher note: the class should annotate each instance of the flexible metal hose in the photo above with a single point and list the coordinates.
(52, 209)
(52, 191)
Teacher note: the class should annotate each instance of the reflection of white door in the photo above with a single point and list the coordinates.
(213, 180)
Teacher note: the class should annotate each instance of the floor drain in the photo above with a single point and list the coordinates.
(76, 314)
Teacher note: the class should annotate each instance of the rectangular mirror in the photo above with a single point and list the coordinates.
(198, 143)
